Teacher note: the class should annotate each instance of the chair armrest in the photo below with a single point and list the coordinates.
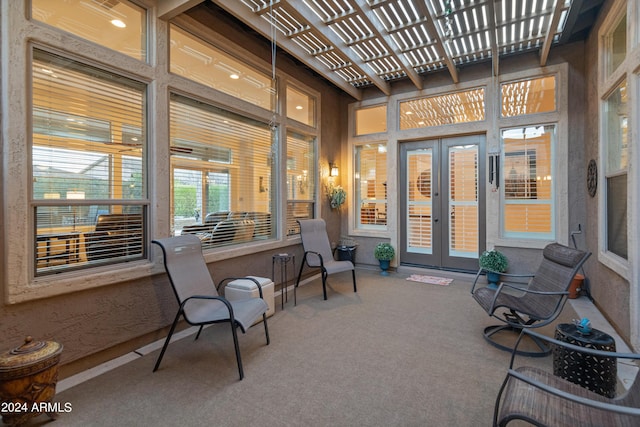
(313, 253)
(572, 347)
(507, 275)
(230, 279)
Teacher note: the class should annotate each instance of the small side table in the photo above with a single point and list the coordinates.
(282, 260)
(598, 374)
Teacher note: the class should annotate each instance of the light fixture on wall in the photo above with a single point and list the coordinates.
(333, 169)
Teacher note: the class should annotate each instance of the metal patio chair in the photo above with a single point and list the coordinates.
(197, 295)
(318, 254)
(534, 305)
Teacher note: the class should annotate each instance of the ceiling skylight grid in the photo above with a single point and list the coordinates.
(372, 42)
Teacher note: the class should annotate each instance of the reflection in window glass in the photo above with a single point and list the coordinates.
(529, 96)
(222, 175)
(301, 184)
(115, 24)
(616, 46)
(300, 106)
(199, 61)
(458, 107)
(616, 132)
(527, 182)
(80, 154)
(371, 120)
(371, 185)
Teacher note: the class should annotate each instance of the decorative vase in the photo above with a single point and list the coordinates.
(384, 265)
(493, 279)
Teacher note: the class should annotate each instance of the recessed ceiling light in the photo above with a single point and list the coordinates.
(234, 76)
(409, 113)
(298, 107)
(118, 23)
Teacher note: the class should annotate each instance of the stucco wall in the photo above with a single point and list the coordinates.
(99, 324)
(609, 290)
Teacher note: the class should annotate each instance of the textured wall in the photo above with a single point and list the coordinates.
(98, 324)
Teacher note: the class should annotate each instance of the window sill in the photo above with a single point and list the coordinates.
(65, 283)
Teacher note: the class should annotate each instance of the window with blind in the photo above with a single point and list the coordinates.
(527, 185)
(616, 131)
(88, 153)
(116, 24)
(301, 181)
(371, 185)
(222, 175)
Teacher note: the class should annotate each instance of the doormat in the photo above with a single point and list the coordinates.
(433, 280)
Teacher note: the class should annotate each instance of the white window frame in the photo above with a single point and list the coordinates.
(608, 84)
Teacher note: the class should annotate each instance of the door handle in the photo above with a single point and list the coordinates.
(435, 220)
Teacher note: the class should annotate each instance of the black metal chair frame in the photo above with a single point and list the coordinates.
(515, 320)
(231, 319)
(541, 398)
(322, 268)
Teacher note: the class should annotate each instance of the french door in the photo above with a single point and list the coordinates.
(442, 213)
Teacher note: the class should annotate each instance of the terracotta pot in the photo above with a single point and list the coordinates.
(28, 378)
(576, 286)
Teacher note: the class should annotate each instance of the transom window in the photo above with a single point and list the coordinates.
(116, 24)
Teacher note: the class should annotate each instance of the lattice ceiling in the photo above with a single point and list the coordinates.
(360, 43)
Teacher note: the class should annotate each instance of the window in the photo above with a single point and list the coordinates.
(529, 96)
(115, 24)
(371, 185)
(527, 187)
(301, 181)
(616, 133)
(301, 107)
(371, 120)
(88, 161)
(199, 61)
(457, 107)
(615, 45)
(222, 176)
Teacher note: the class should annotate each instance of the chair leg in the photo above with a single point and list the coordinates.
(166, 342)
(489, 331)
(295, 300)
(324, 284)
(353, 272)
(266, 329)
(237, 347)
(198, 334)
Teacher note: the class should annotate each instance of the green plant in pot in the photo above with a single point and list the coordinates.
(494, 262)
(384, 253)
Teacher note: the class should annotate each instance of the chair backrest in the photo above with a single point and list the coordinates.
(556, 271)
(315, 239)
(186, 267)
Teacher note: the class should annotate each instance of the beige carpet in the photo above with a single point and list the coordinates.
(394, 354)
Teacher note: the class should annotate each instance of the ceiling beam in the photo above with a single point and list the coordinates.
(361, 7)
(551, 32)
(168, 9)
(426, 10)
(495, 55)
(331, 38)
(262, 26)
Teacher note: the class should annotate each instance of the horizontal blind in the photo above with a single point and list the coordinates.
(222, 180)
(87, 160)
(301, 179)
(527, 182)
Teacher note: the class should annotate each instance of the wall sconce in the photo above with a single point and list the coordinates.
(333, 169)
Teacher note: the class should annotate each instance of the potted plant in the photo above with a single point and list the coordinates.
(384, 253)
(494, 262)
